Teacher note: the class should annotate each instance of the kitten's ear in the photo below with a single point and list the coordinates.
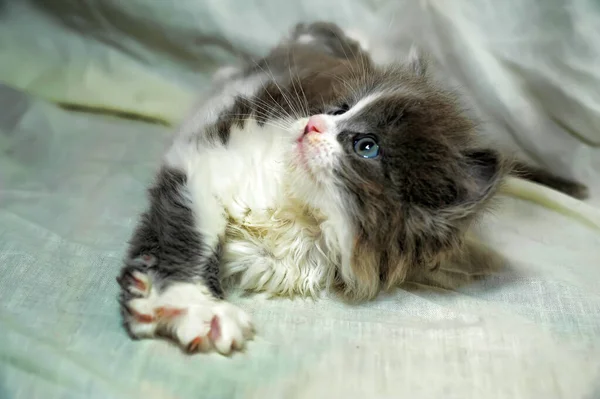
(416, 61)
(486, 168)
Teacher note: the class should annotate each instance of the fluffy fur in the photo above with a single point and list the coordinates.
(253, 190)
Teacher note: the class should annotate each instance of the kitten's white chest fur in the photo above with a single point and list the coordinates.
(273, 241)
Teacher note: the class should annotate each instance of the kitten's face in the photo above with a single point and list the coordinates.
(343, 137)
(407, 143)
(397, 157)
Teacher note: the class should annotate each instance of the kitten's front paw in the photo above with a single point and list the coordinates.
(187, 313)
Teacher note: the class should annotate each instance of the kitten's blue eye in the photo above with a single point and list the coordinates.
(366, 147)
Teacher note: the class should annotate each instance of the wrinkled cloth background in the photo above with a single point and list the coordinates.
(72, 181)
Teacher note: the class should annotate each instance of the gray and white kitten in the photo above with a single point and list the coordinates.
(311, 169)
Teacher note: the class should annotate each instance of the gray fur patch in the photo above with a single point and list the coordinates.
(167, 233)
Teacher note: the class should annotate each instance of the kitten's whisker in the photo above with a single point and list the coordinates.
(272, 79)
(295, 78)
(351, 89)
(303, 102)
(356, 74)
(281, 124)
(266, 109)
(267, 106)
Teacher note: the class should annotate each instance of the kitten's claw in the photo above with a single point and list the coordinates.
(134, 278)
(199, 344)
(141, 284)
(135, 282)
(168, 313)
(141, 317)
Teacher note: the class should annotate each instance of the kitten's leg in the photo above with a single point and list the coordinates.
(170, 282)
(331, 39)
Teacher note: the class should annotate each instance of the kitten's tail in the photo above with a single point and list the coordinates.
(541, 176)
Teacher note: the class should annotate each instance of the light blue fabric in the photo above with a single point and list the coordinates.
(72, 185)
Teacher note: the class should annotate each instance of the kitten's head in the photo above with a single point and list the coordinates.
(393, 161)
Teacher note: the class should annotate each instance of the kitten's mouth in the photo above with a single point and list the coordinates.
(302, 159)
(312, 147)
(309, 153)
(298, 129)
(302, 155)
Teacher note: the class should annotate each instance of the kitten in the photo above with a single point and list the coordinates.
(311, 169)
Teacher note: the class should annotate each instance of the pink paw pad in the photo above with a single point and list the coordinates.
(215, 329)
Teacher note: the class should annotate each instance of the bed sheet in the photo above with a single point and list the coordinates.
(72, 184)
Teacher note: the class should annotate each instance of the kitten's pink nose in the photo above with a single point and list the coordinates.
(315, 124)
